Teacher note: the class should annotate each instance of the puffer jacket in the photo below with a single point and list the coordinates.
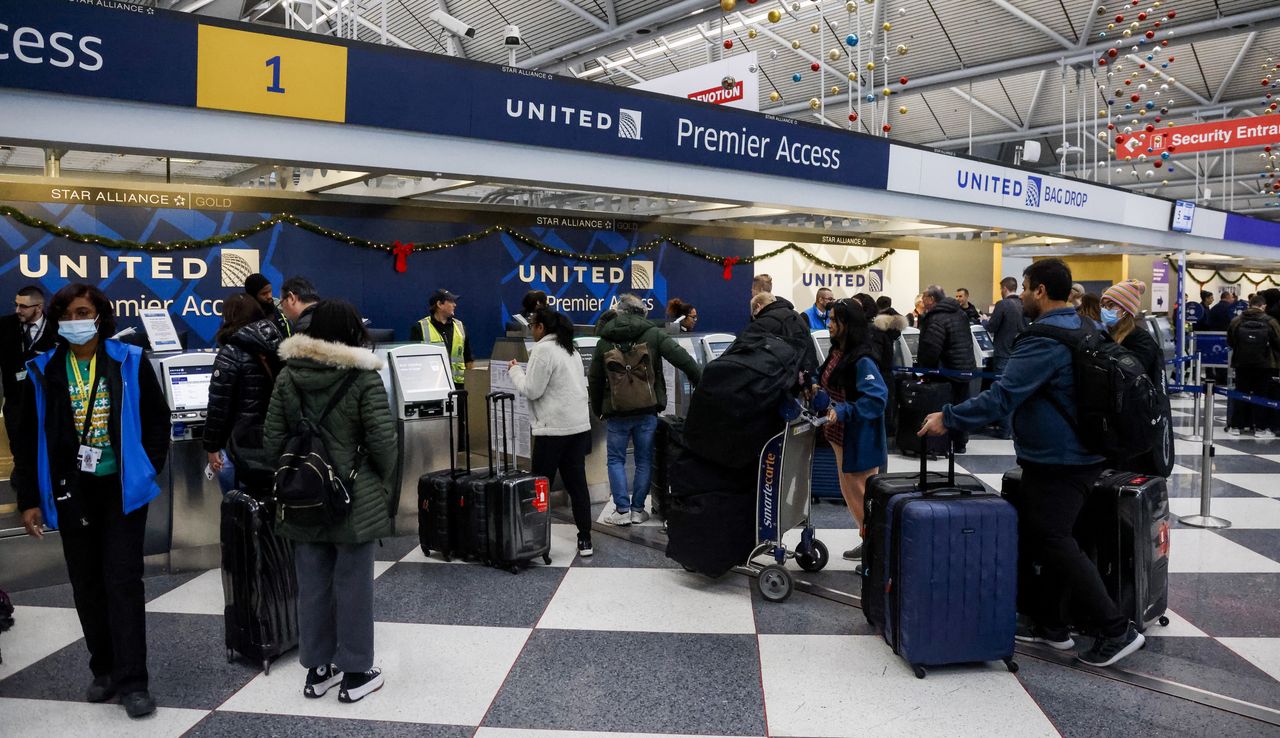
(781, 319)
(362, 418)
(630, 329)
(244, 374)
(945, 339)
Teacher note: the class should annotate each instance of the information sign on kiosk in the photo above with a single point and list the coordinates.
(421, 382)
(193, 494)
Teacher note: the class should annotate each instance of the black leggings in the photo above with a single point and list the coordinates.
(568, 455)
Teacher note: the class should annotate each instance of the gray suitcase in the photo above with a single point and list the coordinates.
(519, 504)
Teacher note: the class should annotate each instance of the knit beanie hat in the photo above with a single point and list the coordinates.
(254, 283)
(1128, 295)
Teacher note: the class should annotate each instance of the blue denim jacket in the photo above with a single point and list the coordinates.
(1040, 434)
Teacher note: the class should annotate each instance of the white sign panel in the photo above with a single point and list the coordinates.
(160, 331)
(705, 83)
(500, 381)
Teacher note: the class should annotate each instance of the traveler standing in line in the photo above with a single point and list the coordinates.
(970, 310)
(761, 283)
(1254, 338)
(1121, 308)
(1206, 304)
(558, 409)
(529, 304)
(1091, 307)
(817, 314)
(885, 330)
(884, 306)
(1057, 471)
(1222, 313)
(259, 287)
(335, 560)
(683, 314)
(631, 411)
(859, 396)
(1006, 322)
(1077, 295)
(104, 435)
(772, 314)
(947, 343)
(298, 299)
(244, 374)
(24, 335)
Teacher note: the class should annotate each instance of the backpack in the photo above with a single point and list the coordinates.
(630, 374)
(1252, 343)
(1119, 412)
(308, 489)
(734, 410)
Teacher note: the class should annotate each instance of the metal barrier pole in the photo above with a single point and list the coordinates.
(1204, 519)
(1198, 380)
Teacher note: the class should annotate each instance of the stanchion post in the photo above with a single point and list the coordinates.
(1205, 519)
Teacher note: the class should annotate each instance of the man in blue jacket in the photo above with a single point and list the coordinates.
(817, 313)
(1058, 473)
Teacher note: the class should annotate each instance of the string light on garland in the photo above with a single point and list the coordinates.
(402, 250)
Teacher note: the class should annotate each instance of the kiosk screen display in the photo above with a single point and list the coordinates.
(422, 373)
(984, 341)
(913, 342)
(824, 345)
(189, 386)
(718, 347)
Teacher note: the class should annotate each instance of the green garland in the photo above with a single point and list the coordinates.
(287, 219)
(1243, 277)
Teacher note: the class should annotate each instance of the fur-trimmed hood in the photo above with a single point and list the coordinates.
(890, 322)
(329, 354)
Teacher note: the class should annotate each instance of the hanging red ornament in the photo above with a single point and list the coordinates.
(401, 252)
(728, 267)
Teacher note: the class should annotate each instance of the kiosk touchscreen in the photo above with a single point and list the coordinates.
(983, 349)
(422, 380)
(714, 344)
(822, 340)
(586, 346)
(907, 346)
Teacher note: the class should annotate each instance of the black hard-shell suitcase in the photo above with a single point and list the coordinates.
(259, 583)
(918, 398)
(439, 527)
(667, 442)
(880, 490)
(519, 504)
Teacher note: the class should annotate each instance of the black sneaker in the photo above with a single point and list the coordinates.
(1107, 651)
(100, 690)
(320, 680)
(356, 687)
(1052, 637)
(584, 546)
(138, 704)
(853, 554)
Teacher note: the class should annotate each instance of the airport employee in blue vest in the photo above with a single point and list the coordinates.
(441, 328)
(818, 313)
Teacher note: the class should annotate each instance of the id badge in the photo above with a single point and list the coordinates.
(88, 458)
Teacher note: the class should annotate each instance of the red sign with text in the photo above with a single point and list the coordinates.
(1215, 136)
(719, 95)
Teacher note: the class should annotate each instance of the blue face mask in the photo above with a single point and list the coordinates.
(78, 332)
(1110, 316)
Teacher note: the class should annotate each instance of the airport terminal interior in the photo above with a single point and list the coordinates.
(411, 155)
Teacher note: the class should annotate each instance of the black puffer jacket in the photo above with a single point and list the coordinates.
(243, 376)
(945, 339)
(780, 318)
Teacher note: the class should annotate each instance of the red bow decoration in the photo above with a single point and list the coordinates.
(728, 267)
(402, 251)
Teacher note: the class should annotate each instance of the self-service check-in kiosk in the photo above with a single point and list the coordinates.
(421, 380)
(822, 341)
(194, 498)
(1158, 327)
(714, 344)
(597, 468)
(905, 348)
(983, 349)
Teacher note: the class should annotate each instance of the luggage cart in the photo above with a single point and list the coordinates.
(783, 500)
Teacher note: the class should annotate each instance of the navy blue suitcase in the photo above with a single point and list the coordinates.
(950, 596)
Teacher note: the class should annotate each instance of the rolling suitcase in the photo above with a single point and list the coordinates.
(667, 440)
(950, 558)
(916, 399)
(519, 504)
(259, 584)
(882, 488)
(438, 526)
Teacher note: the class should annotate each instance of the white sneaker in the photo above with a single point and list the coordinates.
(639, 516)
(1234, 431)
(617, 518)
(1264, 435)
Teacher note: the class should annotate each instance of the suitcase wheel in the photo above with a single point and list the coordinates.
(1011, 665)
(1164, 620)
(231, 656)
(774, 583)
(266, 667)
(689, 569)
(514, 568)
(816, 560)
(919, 671)
(546, 559)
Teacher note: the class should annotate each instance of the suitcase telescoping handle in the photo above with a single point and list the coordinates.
(499, 401)
(924, 464)
(458, 413)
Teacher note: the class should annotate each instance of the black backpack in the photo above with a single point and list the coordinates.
(308, 489)
(1252, 343)
(1119, 412)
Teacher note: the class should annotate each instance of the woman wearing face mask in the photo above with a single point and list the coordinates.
(1121, 306)
(90, 473)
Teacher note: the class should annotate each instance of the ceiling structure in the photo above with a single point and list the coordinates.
(983, 76)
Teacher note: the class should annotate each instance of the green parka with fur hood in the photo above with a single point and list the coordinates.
(313, 374)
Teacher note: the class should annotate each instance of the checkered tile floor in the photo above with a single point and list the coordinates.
(627, 644)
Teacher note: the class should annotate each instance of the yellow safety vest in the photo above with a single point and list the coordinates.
(456, 355)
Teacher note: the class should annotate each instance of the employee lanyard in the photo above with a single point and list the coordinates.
(91, 390)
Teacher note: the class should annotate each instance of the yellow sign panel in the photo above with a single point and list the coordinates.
(258, 73)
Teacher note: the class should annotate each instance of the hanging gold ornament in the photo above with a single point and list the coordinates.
(834, 55)
(752, 33)
(871, 66)
(902, 49)
(728, 5)
(775, 16)
(774, 96)
(813, 28)
(795, 44)
(814, 103)
(887, 26)
(902, 110)
(835, 90)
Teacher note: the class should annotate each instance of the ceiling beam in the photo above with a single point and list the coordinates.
(1035, 98)
(1031, 21)
(568, 53)
(1226, 25)
(975, 102)
(582, 15)
(1167, 78)
(610, 12)
(1235, 65)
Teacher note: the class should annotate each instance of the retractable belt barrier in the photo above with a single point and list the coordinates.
(952, 373)
(1245, 397)
(1190, 389)
(1180, 360)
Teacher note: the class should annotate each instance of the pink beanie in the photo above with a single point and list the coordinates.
(1128, 295)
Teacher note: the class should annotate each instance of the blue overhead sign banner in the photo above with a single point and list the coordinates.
(122, 51)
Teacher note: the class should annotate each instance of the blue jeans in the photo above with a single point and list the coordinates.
(621, 431)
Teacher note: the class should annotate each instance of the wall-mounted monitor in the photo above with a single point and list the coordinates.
(1184, 216)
